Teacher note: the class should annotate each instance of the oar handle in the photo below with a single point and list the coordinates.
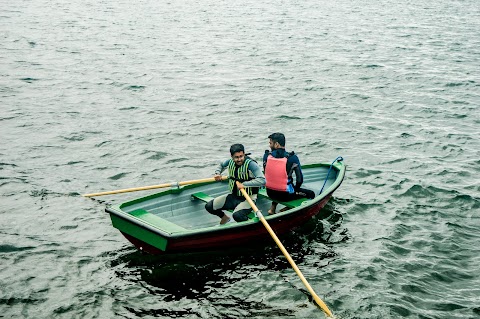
(135, 189)
(287, 255)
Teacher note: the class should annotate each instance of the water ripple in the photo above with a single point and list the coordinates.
(99, 96)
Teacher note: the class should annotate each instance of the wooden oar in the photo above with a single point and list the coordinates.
(135, 189)
(285, 252)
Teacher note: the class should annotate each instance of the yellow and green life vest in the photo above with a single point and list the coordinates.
(241, 174)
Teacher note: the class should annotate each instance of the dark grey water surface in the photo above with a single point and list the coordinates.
(103, 95)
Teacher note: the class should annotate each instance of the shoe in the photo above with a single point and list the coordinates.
(224, 220)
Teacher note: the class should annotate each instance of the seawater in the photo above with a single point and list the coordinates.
(104, 95)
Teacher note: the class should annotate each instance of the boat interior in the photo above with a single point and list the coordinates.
(184, 208)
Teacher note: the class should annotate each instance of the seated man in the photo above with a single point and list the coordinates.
(243, 169)
(279, 166)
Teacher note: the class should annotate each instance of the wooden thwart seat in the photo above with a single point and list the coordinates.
(202, 196)
(263, 193)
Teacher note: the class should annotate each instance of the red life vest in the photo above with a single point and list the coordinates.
(276, 174)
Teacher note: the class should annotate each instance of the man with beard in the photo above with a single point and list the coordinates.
(246, 171)
(279, 166)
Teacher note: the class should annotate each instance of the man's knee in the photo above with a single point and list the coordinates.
(305, 193)
(309, 194)
(241, 215)
(209, 206)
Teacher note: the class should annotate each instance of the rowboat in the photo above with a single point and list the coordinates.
(175, 220)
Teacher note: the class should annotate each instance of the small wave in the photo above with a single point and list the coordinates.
(103, 143)
(74, 138)
(287, 117)
(7, 164)
(177, 160)
(129, 108)
(157, 156)
(395, 161)
(63, 309)
(72, 194)
(136, 88)
(68, 227)
(193, 166)
(453, 84)
(313, 88)
(7, 118)
(118, 176)
(460, 102)
(333, 236)
(457, 116)
(452, 198)
(29, 80)
(419, 191)
(365, 173)
(23, 301)
(12, 248)
(448, 306)
(374, 66)
(413, 288)
(42, 193)
(316, 143)
(75, 162)
(397, 249)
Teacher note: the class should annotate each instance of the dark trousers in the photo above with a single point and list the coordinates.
(241, 208)
(286, 197)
